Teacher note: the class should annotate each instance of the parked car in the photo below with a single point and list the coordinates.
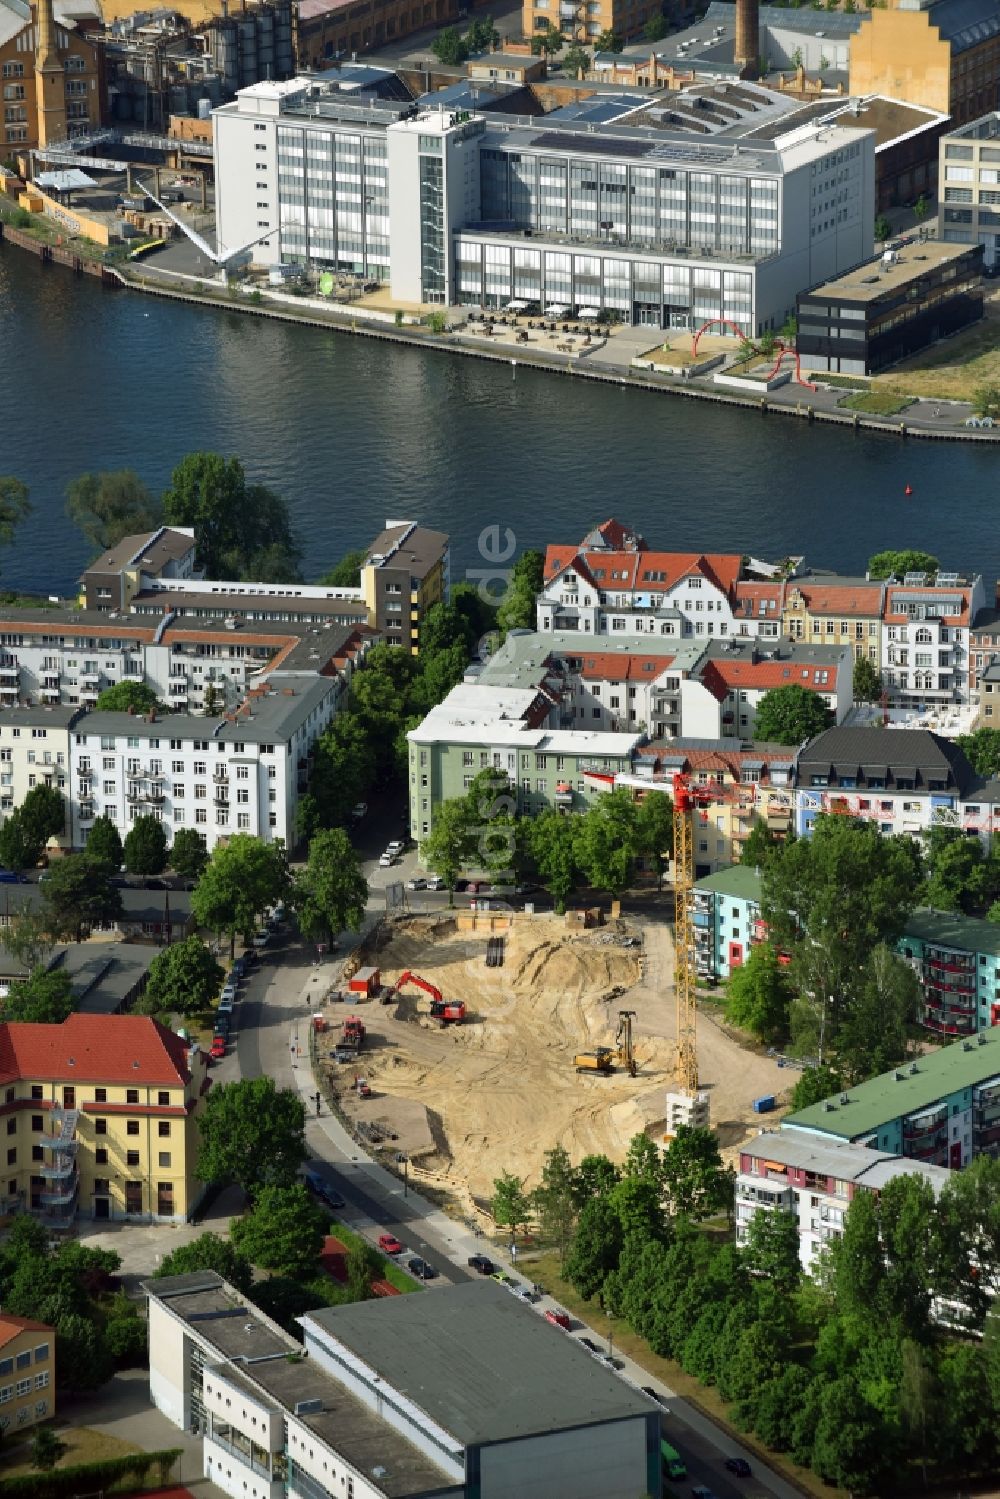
(155, 885)
(701, 1492)
(386, 860)
(558, 1318)
(261, 939)
(739, 1466)
(416, 883)
(218, 1048)
(319, 1184)
(482, 1263)
(528, 1293)
(420, 1268)
(501, 1277)
(396, 846)
(15, 877)
(389, 1244)
(435, 882)
(226, 1005)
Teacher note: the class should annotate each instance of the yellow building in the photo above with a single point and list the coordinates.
(840, 611)
(584, 20)
(943, 54)
(50, 77)
(27, 1373)
(405, 572)
(100, 1119)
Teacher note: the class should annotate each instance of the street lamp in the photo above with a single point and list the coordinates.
(404, 1160)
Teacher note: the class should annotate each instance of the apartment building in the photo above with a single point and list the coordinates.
(34, 751)
(926, 637)
(101, 1119)
(407, 570)
(725, 915)
(111, 582)
(943, 1109)
(367, 1408)
(835, 610)
(816, 1181)
(957, 960)
(969, 197)
(656, 225)
(240, 774)
(27, 1373)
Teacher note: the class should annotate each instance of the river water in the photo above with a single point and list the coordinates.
(352, 431)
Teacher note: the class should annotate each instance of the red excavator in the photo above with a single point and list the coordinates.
(448, 1011)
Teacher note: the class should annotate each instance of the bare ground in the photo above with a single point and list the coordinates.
(469, 1101)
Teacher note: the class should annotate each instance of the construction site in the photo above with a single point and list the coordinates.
(471, 1043)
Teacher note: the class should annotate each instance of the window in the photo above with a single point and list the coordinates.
(163, 1129)
(100, 1126)
(101, 1155)
(131, 1095)
(131, 1158)
(132, 1127)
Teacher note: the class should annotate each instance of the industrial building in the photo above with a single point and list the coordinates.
(943, 1108)
(643, 218)
(464, 1393)
(886, 309)
(50, 73)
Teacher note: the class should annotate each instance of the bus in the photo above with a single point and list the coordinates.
(671, 1461)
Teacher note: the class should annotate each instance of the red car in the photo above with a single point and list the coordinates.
(558, 1319)
(218, 1048)
(389, 1244)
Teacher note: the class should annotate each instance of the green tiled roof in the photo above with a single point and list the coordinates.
(952, 929)
(884, 1098)
(741, 880)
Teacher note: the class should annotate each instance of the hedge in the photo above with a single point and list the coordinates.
(65, 1483)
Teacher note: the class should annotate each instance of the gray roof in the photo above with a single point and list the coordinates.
(276, 714)
(137, 905)
(406, 545)
(260, 608)
(919, 752)
(480, 1363)
(965, 23)
(38, 716)
(15, 15)
(844, 1162)
(146, 549)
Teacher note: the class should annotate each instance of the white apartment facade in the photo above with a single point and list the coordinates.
(926, 637)
(35, 751)
(240, 774)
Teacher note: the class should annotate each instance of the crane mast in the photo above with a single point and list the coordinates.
(686, 1063)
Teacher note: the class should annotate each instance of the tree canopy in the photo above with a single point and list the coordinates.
(209, 1252)
(791, 715)
(77, 896)
(242, 530)
(183, 979)
(346, 573)
(252, 1133)
(331, 893)
(758, 995)
(110, 505)
(104, 844)
(146, 846)
(867, 681)
(982, 749)
(242, 878)
(129, 697)
(188, 854)
(517, 607)
(284, 1231)
(15, 507)
(27, 830)
(897, 564)
(44, 997)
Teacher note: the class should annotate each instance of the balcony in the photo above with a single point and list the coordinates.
(220, 774)
(156, 795)
(221, 796)
(90, 676)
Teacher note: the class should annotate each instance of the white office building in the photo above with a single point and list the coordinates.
(651, 223)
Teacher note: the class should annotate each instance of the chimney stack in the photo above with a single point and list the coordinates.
(747, 52)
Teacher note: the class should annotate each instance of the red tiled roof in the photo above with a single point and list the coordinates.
(133, 1049)
(840, 598)
(719, 568)
(749, 595)
(721, 676)
(615, 533)
(12, 1327)
(615, 666)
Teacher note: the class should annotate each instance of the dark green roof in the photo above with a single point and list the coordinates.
(952, 929)
(739, 880)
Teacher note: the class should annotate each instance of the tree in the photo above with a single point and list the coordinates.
(242, 530)
(331, 893)
(606, 841)
(594, 1177)
(654, 817)
(283, 1232)
(813, 1085)
(84, 1361)
(46, 1449)
(124, 1334)
(655, 29)
(252, 1133)
(697, 1183)
(448, 845)
(77, 896)
(883, 228)
(982, 749)
(897, 564)
(986, 400)
(516, 610)
(554, 1199)
(849, 1446)
(967, 1241)
(921, 208)
(146, 846)
(772, 1250)
(43, 813)
(959, 876)
(27, 937)
(15, 507)
(510, 1204)
(364, 1265)
(19, 847)
(596, 1247)
(576, 60)
(44, 997)
(761, 844)
(609, 41)
(111, 505)
(758, 995)
(209, 1252)
(791, 715)
(552, 844)
(104, 845)
(188, 854)
(130, 697)
(482, 35)
(873, 1035)
(449, 47)
(867, 681)
(547, 42)
(183, 979)
(346, 573)
(242, 878)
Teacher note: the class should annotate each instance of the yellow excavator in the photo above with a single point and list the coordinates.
(603, 1059)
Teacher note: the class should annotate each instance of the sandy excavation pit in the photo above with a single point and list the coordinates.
(501, 1089)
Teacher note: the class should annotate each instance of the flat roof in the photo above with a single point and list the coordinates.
(952, 929)
(905, 1090)
(855, 1163)
(740, 880)
(873, 278)
(485, 1367)
(260, 1354)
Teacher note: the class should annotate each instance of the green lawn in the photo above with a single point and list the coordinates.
(545, 1269)
(82, 1446)
(391, 1272)
(877, 402)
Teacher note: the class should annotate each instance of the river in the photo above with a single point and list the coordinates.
(352, 431)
